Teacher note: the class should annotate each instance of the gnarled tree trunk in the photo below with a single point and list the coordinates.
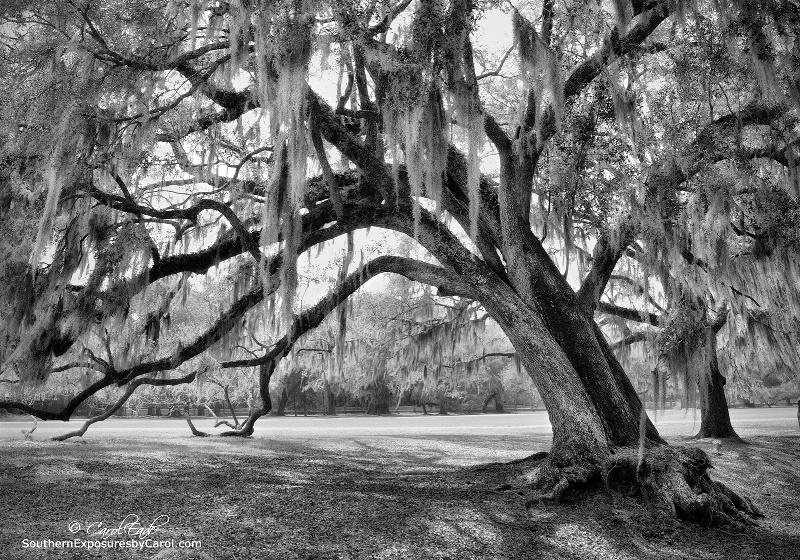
(599, 425)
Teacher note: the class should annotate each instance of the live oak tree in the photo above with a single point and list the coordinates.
(144, 140)
(732, 235)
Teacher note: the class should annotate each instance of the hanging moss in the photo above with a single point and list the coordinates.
(541, 73)
(56, 175)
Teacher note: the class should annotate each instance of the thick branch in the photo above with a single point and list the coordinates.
(628, 314)
(633, 338)
(123, 399)
(350, 146)
(588, 70)
(311, 318)
(606, 254)
(67, 411)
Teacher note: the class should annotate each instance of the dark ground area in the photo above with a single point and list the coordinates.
(329, 493)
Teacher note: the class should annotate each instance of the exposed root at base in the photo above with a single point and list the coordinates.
(672, 480)
(247, 428)
(552, 481)
(503, 465)
(244, 430)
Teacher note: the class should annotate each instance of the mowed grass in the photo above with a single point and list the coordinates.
(365, 487)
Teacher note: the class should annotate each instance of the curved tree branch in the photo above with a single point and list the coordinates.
(123, 399)
(66, 412)
(311, 318)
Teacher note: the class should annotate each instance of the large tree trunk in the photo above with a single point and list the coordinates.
(715, 419)
(596, 416)
(575, 331)
(578, 430)
(601, 434)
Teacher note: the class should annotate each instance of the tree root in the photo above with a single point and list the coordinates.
(195, 431)
(247, 428)
(551, 481)
(535, 459)
(672, 480)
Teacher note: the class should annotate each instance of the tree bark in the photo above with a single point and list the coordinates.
(715, 419)
(576, 425)
(575, 331)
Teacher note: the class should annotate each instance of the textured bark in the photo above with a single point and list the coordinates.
(578, 430)
(606, 382)
(573, 329)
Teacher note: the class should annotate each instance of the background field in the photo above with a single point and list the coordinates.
(385, 487)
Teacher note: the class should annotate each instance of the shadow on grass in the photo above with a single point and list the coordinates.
(385, 497)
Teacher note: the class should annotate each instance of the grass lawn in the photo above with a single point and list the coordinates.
(365, 487)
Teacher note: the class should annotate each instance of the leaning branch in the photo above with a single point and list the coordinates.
(123, 399)
(67, 411)
(313, 317)
(628, 314)
(633, 338)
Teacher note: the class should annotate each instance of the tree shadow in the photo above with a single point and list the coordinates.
(362, 499)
